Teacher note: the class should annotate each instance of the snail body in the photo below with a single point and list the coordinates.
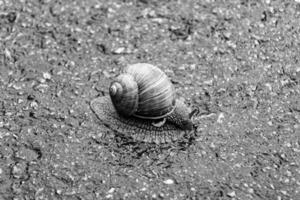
(137, 128)
(143, 105)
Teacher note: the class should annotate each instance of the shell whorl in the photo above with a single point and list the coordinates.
(124, 94)
(155, 93)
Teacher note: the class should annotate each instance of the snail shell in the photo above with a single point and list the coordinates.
(143, 91)
(140, 95)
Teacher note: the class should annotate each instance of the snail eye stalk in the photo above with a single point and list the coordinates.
(195, 112)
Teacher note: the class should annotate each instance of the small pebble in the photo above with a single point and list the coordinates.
(111, 190)
(46, 75)
(283, 192)
(34, 105)
(231, 194)
(182, 67)
(220, 118)
(193, 67)
(169, 181)
(119, 50)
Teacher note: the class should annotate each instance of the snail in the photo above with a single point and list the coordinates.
(142, 104)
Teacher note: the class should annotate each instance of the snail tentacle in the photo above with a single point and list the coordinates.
(195, 112)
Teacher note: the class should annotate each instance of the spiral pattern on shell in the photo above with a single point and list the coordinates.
(124, 94)
(154, 97)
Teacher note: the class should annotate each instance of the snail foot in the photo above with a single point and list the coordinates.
(150, 131)
(159, 123)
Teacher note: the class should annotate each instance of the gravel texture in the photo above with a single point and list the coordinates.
(237, 60)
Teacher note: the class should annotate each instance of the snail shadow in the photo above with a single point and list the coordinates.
(131, 145)
(124, 152)
(134, 149)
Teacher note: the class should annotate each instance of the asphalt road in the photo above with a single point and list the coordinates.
(238, 61)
